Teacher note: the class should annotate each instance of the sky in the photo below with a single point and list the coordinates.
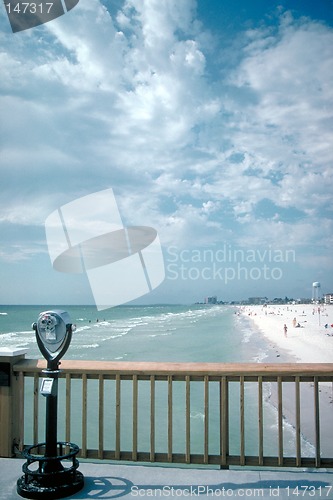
(211, 121)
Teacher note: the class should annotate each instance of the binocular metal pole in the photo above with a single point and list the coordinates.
(51, 422)
(52, 479)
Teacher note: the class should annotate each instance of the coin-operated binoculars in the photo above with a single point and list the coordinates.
(52, 479)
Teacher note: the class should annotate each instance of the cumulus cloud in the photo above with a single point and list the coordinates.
(290, 121)
(127, 100)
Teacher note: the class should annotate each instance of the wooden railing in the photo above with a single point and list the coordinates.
(192, 413)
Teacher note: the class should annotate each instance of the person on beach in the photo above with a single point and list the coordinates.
(285, 329)
(294, 322)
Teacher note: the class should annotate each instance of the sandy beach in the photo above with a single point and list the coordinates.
(300, 334)
(306, 338)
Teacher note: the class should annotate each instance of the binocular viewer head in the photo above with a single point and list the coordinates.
(53, 333)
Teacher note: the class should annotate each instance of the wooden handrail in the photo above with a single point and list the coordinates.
(110, 378)
(145, 369)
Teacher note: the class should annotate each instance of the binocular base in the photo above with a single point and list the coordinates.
(51, 479)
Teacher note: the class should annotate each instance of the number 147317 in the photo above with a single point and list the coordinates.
(310, 491)
(29, 8)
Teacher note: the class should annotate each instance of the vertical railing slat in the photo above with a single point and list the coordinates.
(280, 422)
(152, 418)
(21, 410)
(169, 418)
(135, 418)
(68, 407)
(298, 420)
(260, 423)
(84, 415)
(242, 421)
(35, 415)
(188, 419)
(117, 449)
(224, 405)
(100, 416)
(206, 418)
(317, 419)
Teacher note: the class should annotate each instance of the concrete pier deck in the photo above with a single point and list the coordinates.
(105, 480)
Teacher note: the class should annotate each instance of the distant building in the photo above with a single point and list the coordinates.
(328, 298)
(211, 300)
(258, 300)
(304, 301)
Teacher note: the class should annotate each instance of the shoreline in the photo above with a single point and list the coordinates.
(310, 342)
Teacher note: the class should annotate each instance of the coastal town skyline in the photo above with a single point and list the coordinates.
(210, 120)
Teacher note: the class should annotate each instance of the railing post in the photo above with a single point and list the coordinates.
(224, 422)
(9, 401)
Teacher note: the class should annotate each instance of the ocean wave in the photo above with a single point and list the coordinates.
(197, 415)
(247, 336)
(190, 313)
(260, 356)
(166, 334)
(289, 429)
(308, 449)
(159, 320)
(7, 336)
(82, 328)
(84, 346)
(110, 337)
(160, 323)
(16, 335)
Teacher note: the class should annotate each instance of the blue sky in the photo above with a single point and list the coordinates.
(210, 119)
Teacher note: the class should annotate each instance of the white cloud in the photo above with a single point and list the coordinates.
(290, 81)
(27, 212)
(18, 253)
(127, 102)
(303, 236)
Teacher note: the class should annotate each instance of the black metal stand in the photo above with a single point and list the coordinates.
(51, 480)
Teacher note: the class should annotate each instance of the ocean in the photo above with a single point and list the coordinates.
(170, 333)
(195, 333)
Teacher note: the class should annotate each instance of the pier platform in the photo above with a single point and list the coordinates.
(104, 480)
